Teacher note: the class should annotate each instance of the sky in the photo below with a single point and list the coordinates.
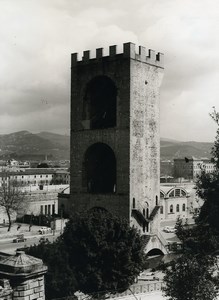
(37, 38)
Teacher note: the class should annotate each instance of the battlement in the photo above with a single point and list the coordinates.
(129, 51)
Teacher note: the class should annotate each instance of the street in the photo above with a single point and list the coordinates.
(10, 247)
(33, 237)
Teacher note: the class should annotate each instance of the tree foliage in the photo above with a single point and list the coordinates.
(194, 275)
(190, 278)
(59, 280)
(12, 197)
(103, 254)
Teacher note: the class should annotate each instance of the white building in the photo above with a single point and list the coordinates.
(178, 201)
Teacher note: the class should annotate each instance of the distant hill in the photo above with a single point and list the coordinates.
(26, 145)
(171, 149)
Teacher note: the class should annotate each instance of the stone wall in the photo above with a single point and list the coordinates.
(134, 140)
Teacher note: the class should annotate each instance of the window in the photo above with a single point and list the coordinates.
(161, 195)
(183, 193)
(156, 200)
(183, 207)
(161, 209)
(53, 209)
(99, 104)
(99, 169)
(171, 208)
(171, 195)
(177, 208)
(147, 213)
(41, 209)
(177, 192)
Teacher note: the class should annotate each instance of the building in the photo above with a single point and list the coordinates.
(191, 167)
(41, 187)
(115, 142)
(32, 177)
(179, 201)
(43, 202)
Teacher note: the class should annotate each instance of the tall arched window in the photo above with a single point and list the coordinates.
(177, 208)
(100, 169)
(161, 209)
(133, 202)
(183, 207)
(99, 106)
(156, 200)
(147, 213)
(171, 208)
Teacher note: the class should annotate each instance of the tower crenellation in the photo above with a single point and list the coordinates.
(129, 51)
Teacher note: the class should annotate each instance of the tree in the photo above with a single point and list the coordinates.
(194, 275)
(43, 165)
(103, 255)
(106, 253)
(190, 278)
(12, 197)
(60, 279)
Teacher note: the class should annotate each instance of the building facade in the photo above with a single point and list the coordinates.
(191, 167)
(115, 142)
(179, 201)
(33, 177)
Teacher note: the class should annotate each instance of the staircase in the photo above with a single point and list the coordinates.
(138, 215)
(154, 212)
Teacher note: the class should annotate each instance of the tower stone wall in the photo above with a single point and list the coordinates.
(134, 138)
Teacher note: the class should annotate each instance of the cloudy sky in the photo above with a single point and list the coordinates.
(37, 37)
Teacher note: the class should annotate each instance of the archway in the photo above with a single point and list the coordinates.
(99, 104)
(100, 169)
(154, 252)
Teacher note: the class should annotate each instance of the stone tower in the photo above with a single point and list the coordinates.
(115, 142)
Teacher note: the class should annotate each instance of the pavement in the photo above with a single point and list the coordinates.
(6, 236)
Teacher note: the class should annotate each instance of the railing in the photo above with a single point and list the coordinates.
(133, 291)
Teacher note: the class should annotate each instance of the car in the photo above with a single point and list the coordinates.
(19, 239)
(148, 276)
(44, 230)
(169, 229)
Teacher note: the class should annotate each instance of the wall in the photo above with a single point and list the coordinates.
(144, 134)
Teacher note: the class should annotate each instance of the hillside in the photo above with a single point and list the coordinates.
(171, 149)
(26, 145)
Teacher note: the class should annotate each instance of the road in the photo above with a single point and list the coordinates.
(7, 246)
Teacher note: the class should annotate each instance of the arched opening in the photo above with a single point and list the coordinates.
(177, 208)
(100, 169)
(147, 213)
(99, 106)
(133, 203)
(171, 208)
(154, 252)
(99, 209)
(156, 200)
